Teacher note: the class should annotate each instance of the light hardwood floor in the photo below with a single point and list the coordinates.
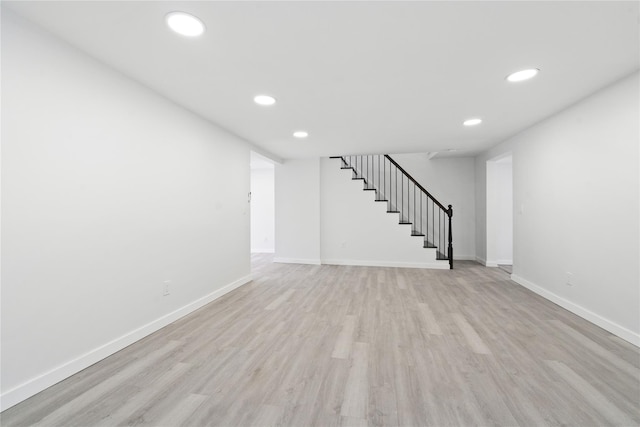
(306, 345)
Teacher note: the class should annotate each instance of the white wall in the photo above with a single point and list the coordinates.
(356, 230)
(297, 187)
(263, 210)
(499, 212)
(452, 182)
(108, 191)
(576, 198)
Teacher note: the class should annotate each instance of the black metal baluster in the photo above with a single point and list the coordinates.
(426, 209)
(450, 249)
(444, 252)
(433, 226)
(434, 242)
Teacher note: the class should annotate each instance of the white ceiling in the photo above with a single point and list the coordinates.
(360, 77)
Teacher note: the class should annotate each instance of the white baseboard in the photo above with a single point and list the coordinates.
(464, 257)
(439, 265)
(485, 262)
(494, 262)
(297, 261)
(592, 317)
(46, 380)
(442, 265)
(262, 251)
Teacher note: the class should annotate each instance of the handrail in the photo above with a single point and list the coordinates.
(416, 182)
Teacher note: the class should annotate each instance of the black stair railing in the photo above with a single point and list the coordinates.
(404, 195)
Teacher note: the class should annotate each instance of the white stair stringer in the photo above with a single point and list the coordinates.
(357, 230)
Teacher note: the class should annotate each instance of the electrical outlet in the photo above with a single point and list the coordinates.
(166, 288)
(569, 279)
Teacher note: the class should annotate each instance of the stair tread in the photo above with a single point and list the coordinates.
(369, 189)
(381, 200)
(417, 234)
(405, 223)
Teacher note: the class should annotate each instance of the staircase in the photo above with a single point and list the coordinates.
(415, 206)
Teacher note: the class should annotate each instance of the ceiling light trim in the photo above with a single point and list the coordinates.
(264, 100)
(522, 75)
(185, 24)
(474, 121)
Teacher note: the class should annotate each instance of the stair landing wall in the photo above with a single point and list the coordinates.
(356, 230)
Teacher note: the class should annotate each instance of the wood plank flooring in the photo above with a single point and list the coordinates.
(308, 345)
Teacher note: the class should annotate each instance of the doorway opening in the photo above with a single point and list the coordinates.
(262, 187)
(500, 212)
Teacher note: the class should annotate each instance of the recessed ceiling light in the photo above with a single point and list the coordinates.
(264, 100)
(472, 122)
(185, 24)
(522, 75)
(301, 134)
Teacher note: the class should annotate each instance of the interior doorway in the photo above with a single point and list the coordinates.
(262, 189)
(500, 212)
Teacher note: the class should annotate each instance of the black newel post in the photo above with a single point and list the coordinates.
(450, 214)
